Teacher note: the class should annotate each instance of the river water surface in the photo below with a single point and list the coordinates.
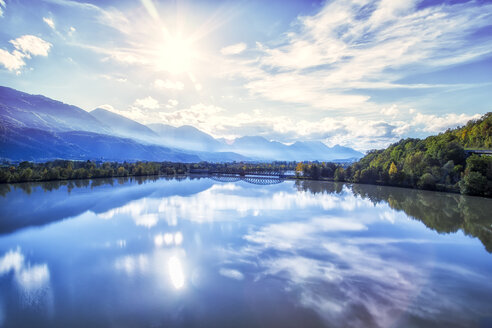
(200, 252)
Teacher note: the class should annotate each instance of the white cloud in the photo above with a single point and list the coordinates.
(198, 86)
(3, 5)
(315, 77)
(31, 45)
(436, 124)
(358, 132)
(231, 273)
(49, 22)
(171, 103)
(114, 78)
(126, 57)
(25, 47)
(234, 49)
(110, 17)
(147, 103)
(108, 108)
(11, 61)
(199, 115)
(168, 84)
(326, 57)
(71, 30)
(391, 111)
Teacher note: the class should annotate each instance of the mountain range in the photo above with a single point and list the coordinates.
(34, 127)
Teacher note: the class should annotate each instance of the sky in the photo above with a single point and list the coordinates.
(358, 73)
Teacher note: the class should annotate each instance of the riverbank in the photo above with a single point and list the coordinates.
(62, 170)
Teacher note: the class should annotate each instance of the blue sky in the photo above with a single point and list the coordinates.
(357, 73)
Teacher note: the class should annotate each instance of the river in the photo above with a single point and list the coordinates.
(206, 253)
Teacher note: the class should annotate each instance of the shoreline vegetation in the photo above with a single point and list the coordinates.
(439, 163)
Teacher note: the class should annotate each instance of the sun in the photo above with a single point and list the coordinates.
(175, 54)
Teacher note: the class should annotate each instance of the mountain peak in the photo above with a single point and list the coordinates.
(123, 126)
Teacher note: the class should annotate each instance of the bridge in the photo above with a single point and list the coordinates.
(469, 152)
(254, 176)
(257, 180)
(251, 172)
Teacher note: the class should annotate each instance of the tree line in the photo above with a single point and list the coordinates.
(68, 170)
(435, 163)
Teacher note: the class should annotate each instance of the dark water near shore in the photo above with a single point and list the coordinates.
(199, 252)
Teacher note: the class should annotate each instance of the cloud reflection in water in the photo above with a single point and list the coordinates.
(333, 255)
(33, 281)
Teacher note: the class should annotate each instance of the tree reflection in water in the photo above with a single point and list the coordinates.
(442, 212)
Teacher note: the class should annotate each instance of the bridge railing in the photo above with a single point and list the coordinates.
(250, 172)
(469, 152)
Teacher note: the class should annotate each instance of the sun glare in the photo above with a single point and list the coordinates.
(176, 55)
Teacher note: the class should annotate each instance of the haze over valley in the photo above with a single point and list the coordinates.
(38, 128)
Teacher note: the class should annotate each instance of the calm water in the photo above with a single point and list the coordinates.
(165, 253)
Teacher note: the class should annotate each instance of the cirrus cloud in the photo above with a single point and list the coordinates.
(234, 49)
(49, 22)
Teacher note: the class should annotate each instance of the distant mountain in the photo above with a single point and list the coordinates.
(262, 149)
(38, 128)
(259, 148)
(123, 126)
(186, 137)
(35, 127)
(22, 110)
(341, 152)
(38, 145)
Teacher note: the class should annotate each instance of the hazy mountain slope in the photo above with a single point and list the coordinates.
(123, 126)
(260, 148)
(222, 157)
(33, 144)
(21, 109)
(186, 137)
(310, 150)
(114, 148)
(341, 152)
(34, 127)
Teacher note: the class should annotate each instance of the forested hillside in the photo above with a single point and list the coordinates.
(437, 162)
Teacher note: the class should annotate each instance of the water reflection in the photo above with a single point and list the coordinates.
(168, 239)
(442, 212)
(176, 272)
(131, 265)
(202, 253)
(32, 280)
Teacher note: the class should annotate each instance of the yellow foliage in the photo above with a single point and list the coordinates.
(392, 170)
(299, 167)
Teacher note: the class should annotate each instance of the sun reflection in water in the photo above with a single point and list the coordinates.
(168, 239)
(178, 238)
(176, 272)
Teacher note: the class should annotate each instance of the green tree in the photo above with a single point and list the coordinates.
(473, 183)
(339, 174)
(26, 174)
(427, 181)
